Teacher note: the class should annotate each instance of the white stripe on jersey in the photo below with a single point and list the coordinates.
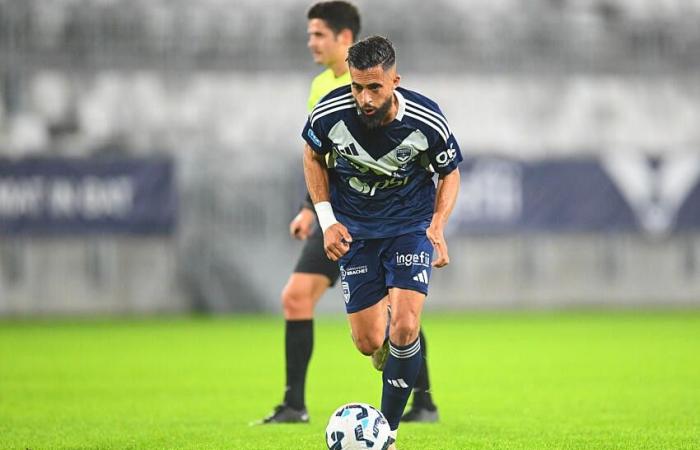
(319, 109)
(325, 113)
(427, 122)
(445, 131)
(325, 102)
(440, 117)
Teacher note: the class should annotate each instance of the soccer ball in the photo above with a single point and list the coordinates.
(358, 426)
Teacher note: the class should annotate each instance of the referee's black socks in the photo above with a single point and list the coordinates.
(299, 343)
(421, 391)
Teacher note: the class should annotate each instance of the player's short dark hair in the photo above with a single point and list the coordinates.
(338, 15)
(371, 52)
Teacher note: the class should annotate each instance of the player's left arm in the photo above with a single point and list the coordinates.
(445, 156)
(445, 199)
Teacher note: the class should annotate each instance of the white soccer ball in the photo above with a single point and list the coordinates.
(358, 426)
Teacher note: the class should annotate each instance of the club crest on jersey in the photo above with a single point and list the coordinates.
(403, 154)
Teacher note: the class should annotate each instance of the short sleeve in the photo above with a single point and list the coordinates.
(445, 156)
(316, 138)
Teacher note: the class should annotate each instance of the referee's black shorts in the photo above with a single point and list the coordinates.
(313, 258)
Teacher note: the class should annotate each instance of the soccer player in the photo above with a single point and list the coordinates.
(332, 28)
(372, 149)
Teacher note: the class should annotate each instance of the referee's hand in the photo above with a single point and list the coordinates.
(300, 226)
(336, 241)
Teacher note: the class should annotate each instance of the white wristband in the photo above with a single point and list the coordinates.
(324, 212)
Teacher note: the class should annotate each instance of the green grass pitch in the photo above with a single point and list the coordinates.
(585, 380)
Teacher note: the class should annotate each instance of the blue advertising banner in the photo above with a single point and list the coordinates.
(623, 192)
(75, 196)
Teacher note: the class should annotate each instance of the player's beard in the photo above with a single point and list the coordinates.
(376, 119)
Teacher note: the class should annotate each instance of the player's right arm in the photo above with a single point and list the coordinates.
(336, 238)
(300, 227)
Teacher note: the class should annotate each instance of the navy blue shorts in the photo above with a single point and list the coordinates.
(372, 266)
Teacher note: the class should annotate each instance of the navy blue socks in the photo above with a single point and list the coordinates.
(399, 377)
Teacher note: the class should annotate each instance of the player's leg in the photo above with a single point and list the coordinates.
(405, 356)
(423, 408)
(407, 263)
(365, 292)
(312, 276)
(368, 327)
(380, 355)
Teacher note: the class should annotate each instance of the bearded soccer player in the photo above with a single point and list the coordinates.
(372, 150)
(332, 28)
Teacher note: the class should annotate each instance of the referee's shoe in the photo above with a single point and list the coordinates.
(422, 410)
(285, 414)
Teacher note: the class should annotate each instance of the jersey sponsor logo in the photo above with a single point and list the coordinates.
(365, 188)
(413, 259)
(356, 270)
(445, 157)
(313, 137)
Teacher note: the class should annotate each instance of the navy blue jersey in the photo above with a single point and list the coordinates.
(381, 180)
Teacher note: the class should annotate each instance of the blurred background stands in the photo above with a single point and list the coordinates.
(220, 87)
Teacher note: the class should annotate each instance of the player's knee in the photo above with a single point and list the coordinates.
(369, 344)
(296, 303)
(404, 330)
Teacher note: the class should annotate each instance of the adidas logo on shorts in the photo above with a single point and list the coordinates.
(422, 277)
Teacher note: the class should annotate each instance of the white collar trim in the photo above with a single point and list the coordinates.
(402, 105)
